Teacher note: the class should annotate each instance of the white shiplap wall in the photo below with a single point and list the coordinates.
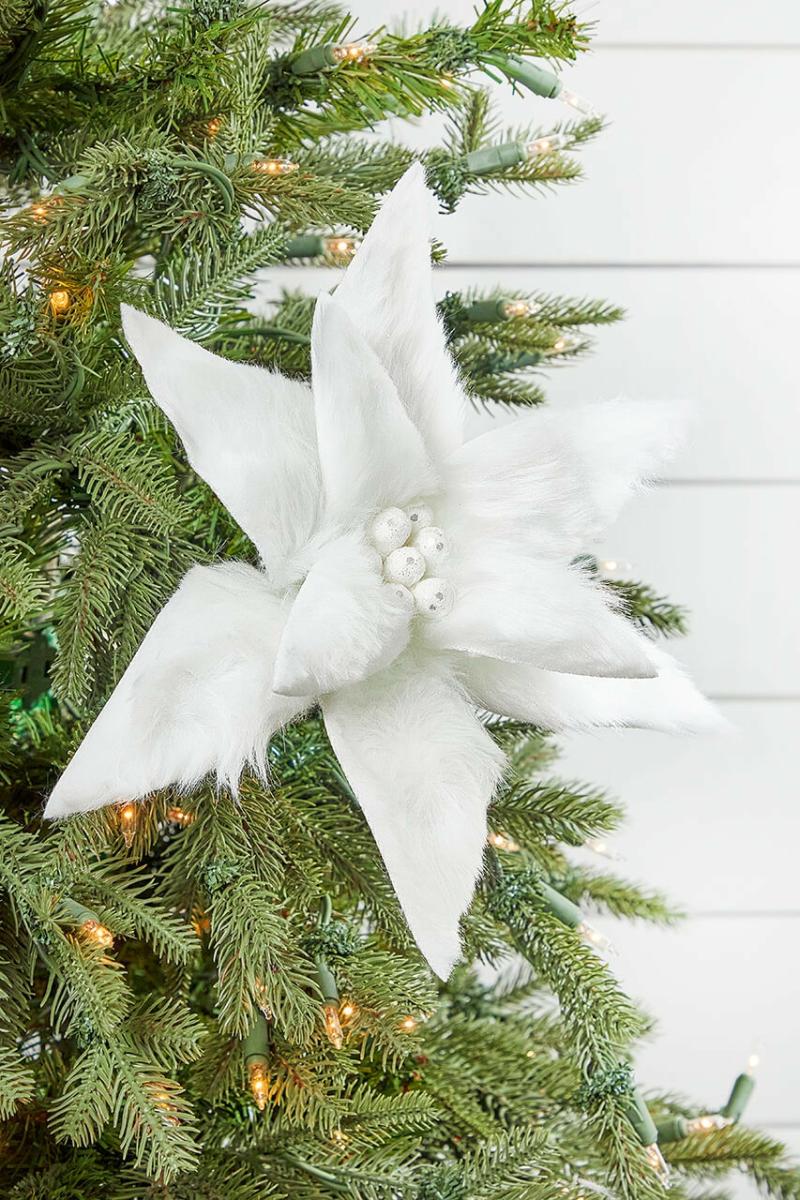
(688, 217)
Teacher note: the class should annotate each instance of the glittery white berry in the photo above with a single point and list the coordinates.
(400, 596)
(405, 565)
(433, 597)
(432, 545)
(389, 530)
(419, 515)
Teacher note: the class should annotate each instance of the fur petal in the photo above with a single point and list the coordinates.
(344, 624)
(387, 291)
(670, 702)
(371, 454)
(539, 611)
(423, 770)
(555, 478)
(195, 698)
(248, 432)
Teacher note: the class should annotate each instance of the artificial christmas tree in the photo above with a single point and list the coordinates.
(214, 991)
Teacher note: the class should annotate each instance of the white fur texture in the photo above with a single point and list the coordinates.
(388, 293)
(537, 611)
(344, 624)
(248, 432)
(548, 483)
(238, 652)
(195, 698)
(424, 770)
(670, 702)
(371, 454)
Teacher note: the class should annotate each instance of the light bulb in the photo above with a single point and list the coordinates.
(561, 344)
(60, 301)
(656, 1160)
(213, 127)
(273, 166)
(548, 144)
(593, 937)
(601, 847)
(577, 102)
(707, 1123)
(179, 816)
(752, 1062)
(501, 842)
(408, 1024)
(347, 1010)
(94, 932)
(127, 820)
(340, 248)
(353, 52)
(39, 211)
(259, 1084)
(519, 308)
(333, 1026)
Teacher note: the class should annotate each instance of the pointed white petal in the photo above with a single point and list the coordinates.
(547, 613)
(248, 432)
(371, 454)
(423, 769)
(195, 698)
(557, 476)
(344, 624)
(670, 702)
(387, 291)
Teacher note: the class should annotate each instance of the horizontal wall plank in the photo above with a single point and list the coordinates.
(727, 552)
(719, 989)
(705, 814)
(720, 22)
(678, 177)
(690, 336)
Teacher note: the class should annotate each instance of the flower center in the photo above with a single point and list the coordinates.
(412, 551)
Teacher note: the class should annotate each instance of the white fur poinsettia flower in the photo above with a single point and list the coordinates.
(408, 577)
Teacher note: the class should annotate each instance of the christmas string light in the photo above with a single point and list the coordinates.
(163, 1102)
(489, 159)
(331, 54)
(127, 820)
(91, 927)
(569, 914)
(540, 81)
(256, 1061)
(644, 1126)
(213, 127)
(504, 308)
(348, 1011)
(337, 248)
(179, 816)
(500, 841)
(60, 301)
(742, 1090)
(327, 985)
(408, 1024)
(273, 166)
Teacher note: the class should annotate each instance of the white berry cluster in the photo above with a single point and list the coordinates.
(412, 549)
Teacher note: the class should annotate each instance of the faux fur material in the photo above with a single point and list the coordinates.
(238, 652)
(536, 611)
(387, 292)
(195, 698)
(424, 770)
(372, 455)
(670, 702)
(248, 432)
(344, 624)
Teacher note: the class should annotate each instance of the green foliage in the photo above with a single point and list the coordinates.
(132, 147)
